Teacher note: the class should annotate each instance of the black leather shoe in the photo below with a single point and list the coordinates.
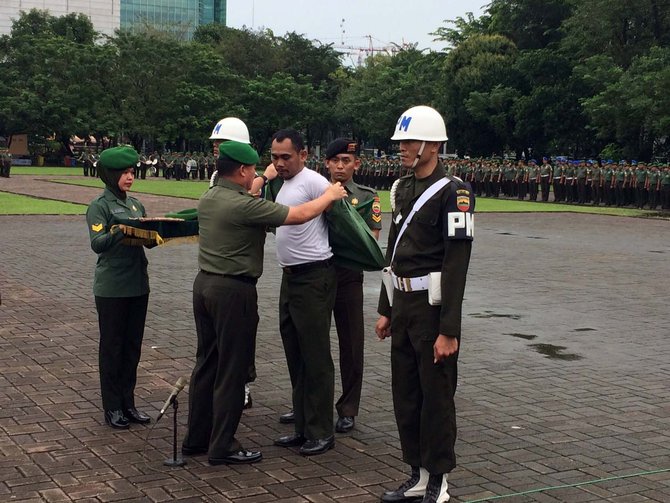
(135, 416)
(344, 424)
(116, 419)
(292, 440)
(193, 451)
(241, 457)
(287, 418)
(319, 446)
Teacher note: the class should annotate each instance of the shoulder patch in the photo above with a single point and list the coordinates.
(96, 227)
(463, 203)
(376, 210)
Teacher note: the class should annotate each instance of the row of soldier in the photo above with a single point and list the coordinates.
(622, 184)
(608, 183)
(177, 165)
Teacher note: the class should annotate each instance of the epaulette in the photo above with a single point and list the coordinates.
(366, 188)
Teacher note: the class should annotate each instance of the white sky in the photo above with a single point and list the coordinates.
(386, 21)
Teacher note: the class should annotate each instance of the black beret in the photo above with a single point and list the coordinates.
(342, 146)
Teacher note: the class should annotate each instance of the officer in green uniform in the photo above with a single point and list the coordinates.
(425, 336)
(580, 180)
(232, 236)
(558, 181)
(641, 195)
(665, 188)
(342, 161)
(120, 286)
(5, 163)
(596, 184)
(653, 186)
(619, 184)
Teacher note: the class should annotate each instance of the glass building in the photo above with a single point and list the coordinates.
(180, 17)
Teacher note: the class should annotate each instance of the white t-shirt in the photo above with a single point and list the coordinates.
(308, 242)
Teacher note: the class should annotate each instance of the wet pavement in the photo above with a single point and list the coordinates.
(563, 395)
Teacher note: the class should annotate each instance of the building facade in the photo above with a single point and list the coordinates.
(104, 14)
(180, 17)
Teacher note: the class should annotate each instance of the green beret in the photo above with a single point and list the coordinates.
(119, 158)
(239, 152)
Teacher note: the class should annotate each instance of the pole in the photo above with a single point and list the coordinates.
(175, 461)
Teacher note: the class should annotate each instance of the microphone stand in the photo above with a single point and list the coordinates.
(175, 461)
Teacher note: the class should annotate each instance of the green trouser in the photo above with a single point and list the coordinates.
(225, 348)
(306, 302)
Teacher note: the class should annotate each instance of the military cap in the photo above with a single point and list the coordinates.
(119, 158)
(342, 146)
(238, 152)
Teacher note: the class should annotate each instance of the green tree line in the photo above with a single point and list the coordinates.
(550, 77)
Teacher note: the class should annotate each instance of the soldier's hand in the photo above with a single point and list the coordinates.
(270, 171)
(383, 327)
(336, 191)
(444, 347)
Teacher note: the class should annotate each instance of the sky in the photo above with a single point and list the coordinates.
(352, 21)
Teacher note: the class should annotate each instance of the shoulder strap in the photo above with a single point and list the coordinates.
(423, 199)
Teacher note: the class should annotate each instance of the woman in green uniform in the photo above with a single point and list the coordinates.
(121, 287)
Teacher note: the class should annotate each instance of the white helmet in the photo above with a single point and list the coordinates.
(231, 128)
(420, 123)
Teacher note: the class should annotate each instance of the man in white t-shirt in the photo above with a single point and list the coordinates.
(306, 300)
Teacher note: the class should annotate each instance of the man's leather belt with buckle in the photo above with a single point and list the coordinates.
(410, 284)
(299, 268)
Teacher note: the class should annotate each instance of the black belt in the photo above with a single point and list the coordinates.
(245, 279)
(300, 268)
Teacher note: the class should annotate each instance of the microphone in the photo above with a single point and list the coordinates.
(179, 385)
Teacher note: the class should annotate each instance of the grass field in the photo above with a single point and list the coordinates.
(15, 204)
(47, 170)
(193, 189)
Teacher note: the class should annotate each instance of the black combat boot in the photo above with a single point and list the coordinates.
(413, 489)
(436, 492)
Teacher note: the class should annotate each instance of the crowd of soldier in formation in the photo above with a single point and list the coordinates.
(177, 165)
(609, 183)
(622, 184)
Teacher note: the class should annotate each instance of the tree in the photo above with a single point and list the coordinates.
(373, 97)
(620, 29)
(43, 68)
(634, 110)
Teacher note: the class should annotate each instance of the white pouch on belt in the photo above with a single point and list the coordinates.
(387, 281)
(435, 288)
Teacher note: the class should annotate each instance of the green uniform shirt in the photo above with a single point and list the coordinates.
(358, 196)
(121, 271)
(232, 229)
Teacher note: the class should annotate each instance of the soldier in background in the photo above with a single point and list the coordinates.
(533, 177)
(93, 166)
(546, 174)
(653, 186)
(596, 184)
(640, 177)
(83, 159)
(5, 163)
(665, 188)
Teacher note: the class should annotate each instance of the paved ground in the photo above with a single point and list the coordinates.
(563, 379)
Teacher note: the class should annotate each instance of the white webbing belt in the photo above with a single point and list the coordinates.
(410, 284)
